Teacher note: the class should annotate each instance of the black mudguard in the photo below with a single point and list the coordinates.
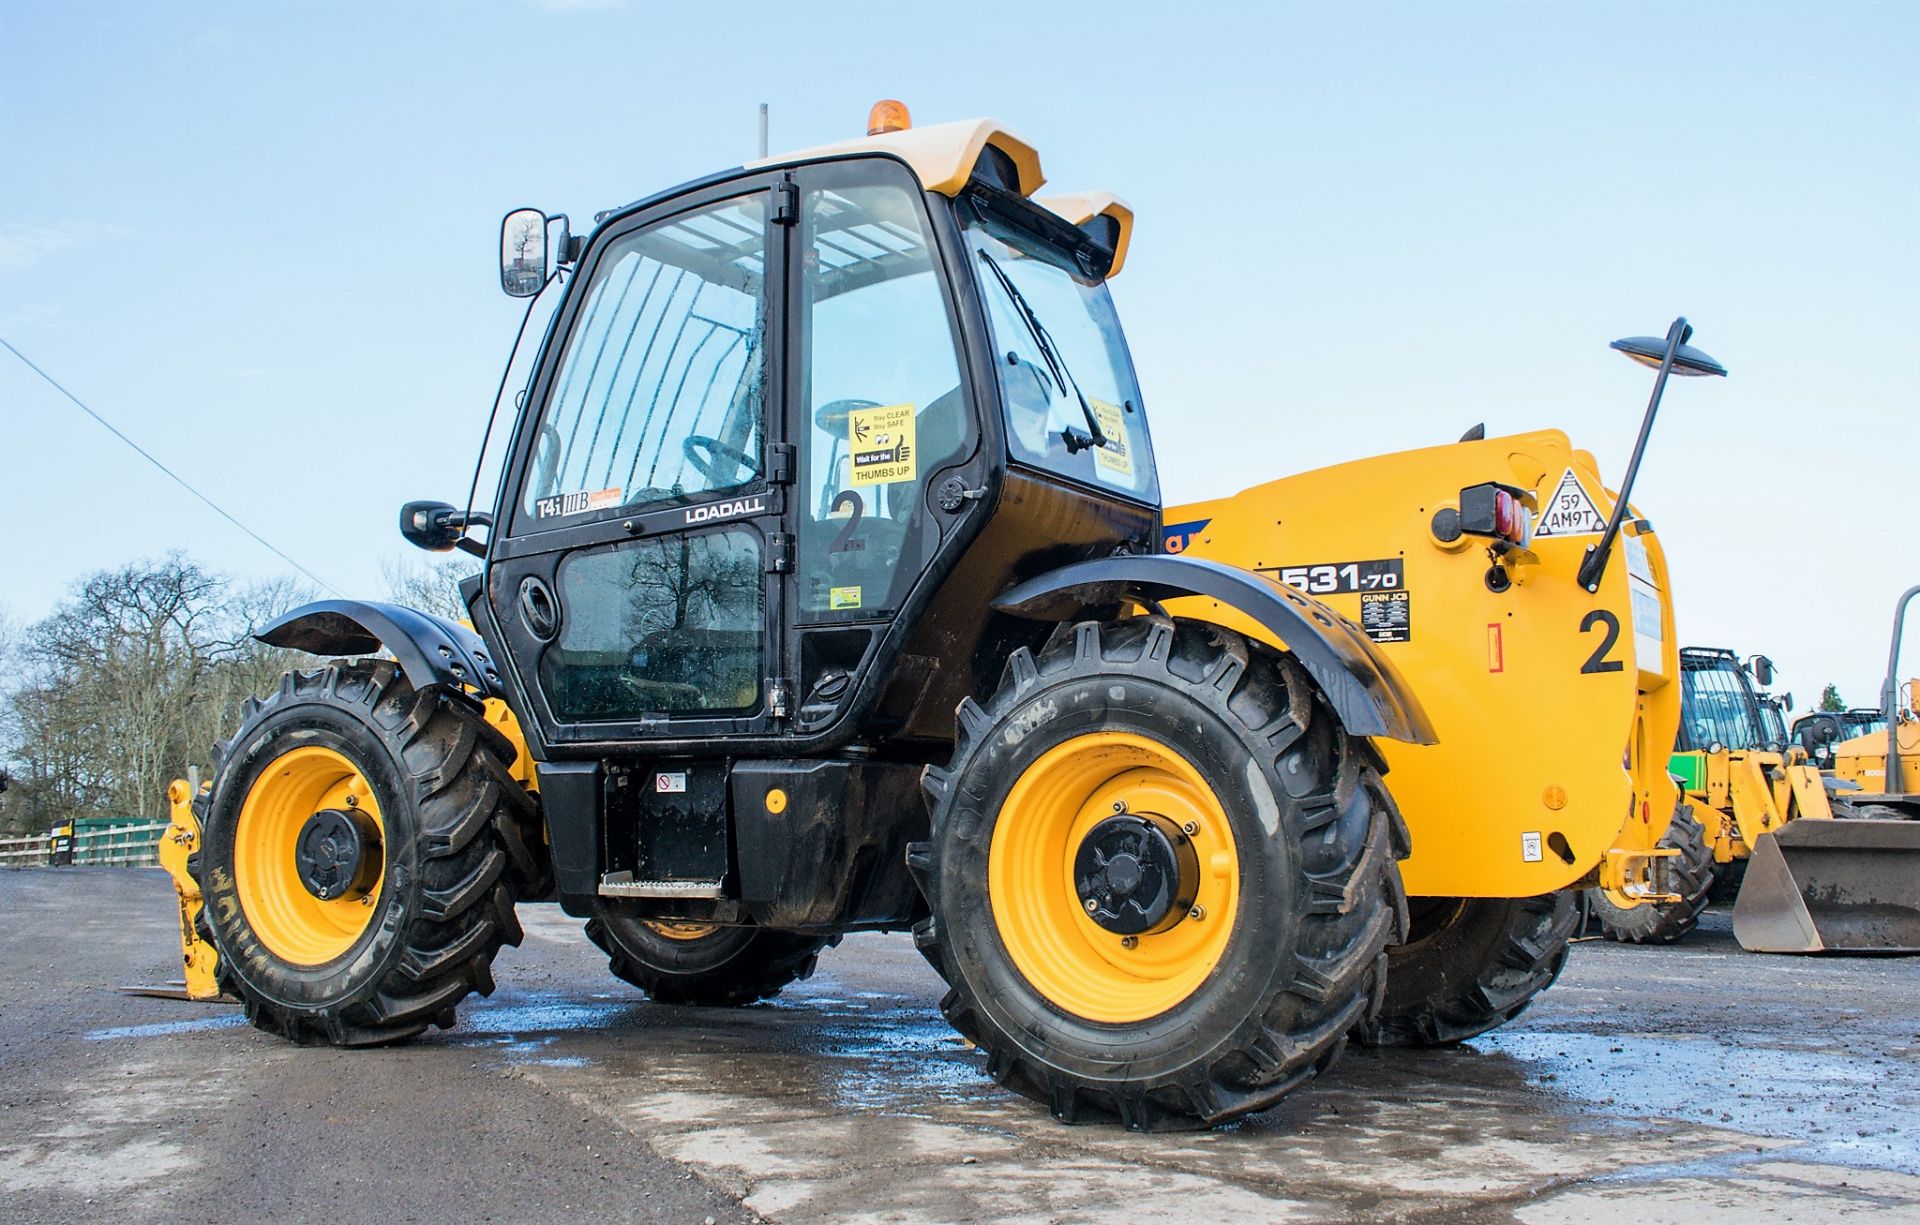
(430, 650)
(1363, 686)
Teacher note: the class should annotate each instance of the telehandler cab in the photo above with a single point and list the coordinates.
(824, 592)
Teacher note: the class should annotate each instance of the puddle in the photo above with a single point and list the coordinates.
(165, 1029)
(1841, 1107)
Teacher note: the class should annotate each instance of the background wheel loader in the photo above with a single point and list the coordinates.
(1827, 860)
(823, 592)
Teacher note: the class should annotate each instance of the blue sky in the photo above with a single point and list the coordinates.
(260, 237)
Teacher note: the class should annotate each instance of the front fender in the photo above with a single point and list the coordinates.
(430, 650)
(1362, 685)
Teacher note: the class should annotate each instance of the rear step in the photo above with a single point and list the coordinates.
(1832, 885)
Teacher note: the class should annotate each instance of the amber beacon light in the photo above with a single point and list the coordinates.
(888, 115)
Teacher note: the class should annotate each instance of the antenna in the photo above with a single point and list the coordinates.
(763, 131)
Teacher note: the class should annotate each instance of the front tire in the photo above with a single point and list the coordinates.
(361, 849)
(1146, 997)
(1470, 965)
(702, 965)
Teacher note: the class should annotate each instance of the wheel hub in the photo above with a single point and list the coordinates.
(1136, 873)
(337, 853)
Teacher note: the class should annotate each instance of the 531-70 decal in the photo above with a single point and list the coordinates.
(1340, 577)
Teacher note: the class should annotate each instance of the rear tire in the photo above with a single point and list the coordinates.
(1691, 874)
(418, 931)
(1470, 966)
(1251, 991)
(703, 966)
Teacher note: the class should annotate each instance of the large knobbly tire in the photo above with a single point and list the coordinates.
(704, 966)
(453, 852)
(1188, 727)
(1691, 874)
(1470, 965)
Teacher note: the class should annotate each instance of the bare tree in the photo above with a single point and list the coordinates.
(429, 584)
(128, 682)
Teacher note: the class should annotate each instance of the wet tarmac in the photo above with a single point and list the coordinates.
(1696, 1081)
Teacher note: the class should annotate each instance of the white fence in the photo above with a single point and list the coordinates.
(134, 845)
(25, 852)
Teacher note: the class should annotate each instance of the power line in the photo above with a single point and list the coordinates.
(175, 477)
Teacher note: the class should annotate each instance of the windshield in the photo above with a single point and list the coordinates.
(1716, 707)
(1067, 385)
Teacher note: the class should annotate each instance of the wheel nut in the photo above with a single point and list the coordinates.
(1093, 904)
(353, 801)
(1197, 913)
(1127, 942)
(1191, 828)
(1119, 805)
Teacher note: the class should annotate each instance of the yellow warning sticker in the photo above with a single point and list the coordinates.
(843, 597)
(1113, 459)
(881, 443)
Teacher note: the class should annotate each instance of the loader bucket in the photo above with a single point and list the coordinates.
(1836, 885)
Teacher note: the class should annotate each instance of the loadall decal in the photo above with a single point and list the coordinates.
(1570, 511)
(755, 505)
(882, 445)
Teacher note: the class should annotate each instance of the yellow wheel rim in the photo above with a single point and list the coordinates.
(675, 930)
(1081, 967)
(296, 926)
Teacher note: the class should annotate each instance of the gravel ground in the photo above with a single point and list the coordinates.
(1695, 1081)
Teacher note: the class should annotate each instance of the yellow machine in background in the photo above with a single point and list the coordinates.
(1534, 684)
(1847, 880)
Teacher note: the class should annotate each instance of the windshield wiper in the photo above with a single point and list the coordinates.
(1056, 363)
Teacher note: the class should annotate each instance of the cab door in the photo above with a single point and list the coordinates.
(636, 582)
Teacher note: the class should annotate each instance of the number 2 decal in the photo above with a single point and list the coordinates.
(1598, 661)
(853, 503)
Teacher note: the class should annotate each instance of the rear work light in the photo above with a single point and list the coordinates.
(1491, 510)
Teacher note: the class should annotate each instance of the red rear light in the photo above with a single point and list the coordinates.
(1509, 516)
(1488, 510)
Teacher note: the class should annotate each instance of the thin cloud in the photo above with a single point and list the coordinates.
(578, 6)
(24, 244)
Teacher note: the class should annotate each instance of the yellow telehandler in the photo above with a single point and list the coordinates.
(832, 492)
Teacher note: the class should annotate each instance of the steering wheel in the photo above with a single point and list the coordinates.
(832, 416)
(705, 454)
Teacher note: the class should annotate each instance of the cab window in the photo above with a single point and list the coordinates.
(659, 394)
(881, 390)
(1064, 366)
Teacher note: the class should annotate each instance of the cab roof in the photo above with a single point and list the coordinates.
(943, 156)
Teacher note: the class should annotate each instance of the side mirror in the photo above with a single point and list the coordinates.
(523, 252)
(1763, 670)
(433, 526)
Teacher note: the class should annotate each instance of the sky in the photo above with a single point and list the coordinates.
(261, 239)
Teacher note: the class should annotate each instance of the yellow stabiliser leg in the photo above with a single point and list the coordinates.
(181, 840)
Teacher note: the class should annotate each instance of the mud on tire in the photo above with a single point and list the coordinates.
(711, 967)
(458, 848)
(1316, 837)
(1470, 965)
(1692, 874)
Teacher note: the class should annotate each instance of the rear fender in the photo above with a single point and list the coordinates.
(430, 650)
(1358, 681)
